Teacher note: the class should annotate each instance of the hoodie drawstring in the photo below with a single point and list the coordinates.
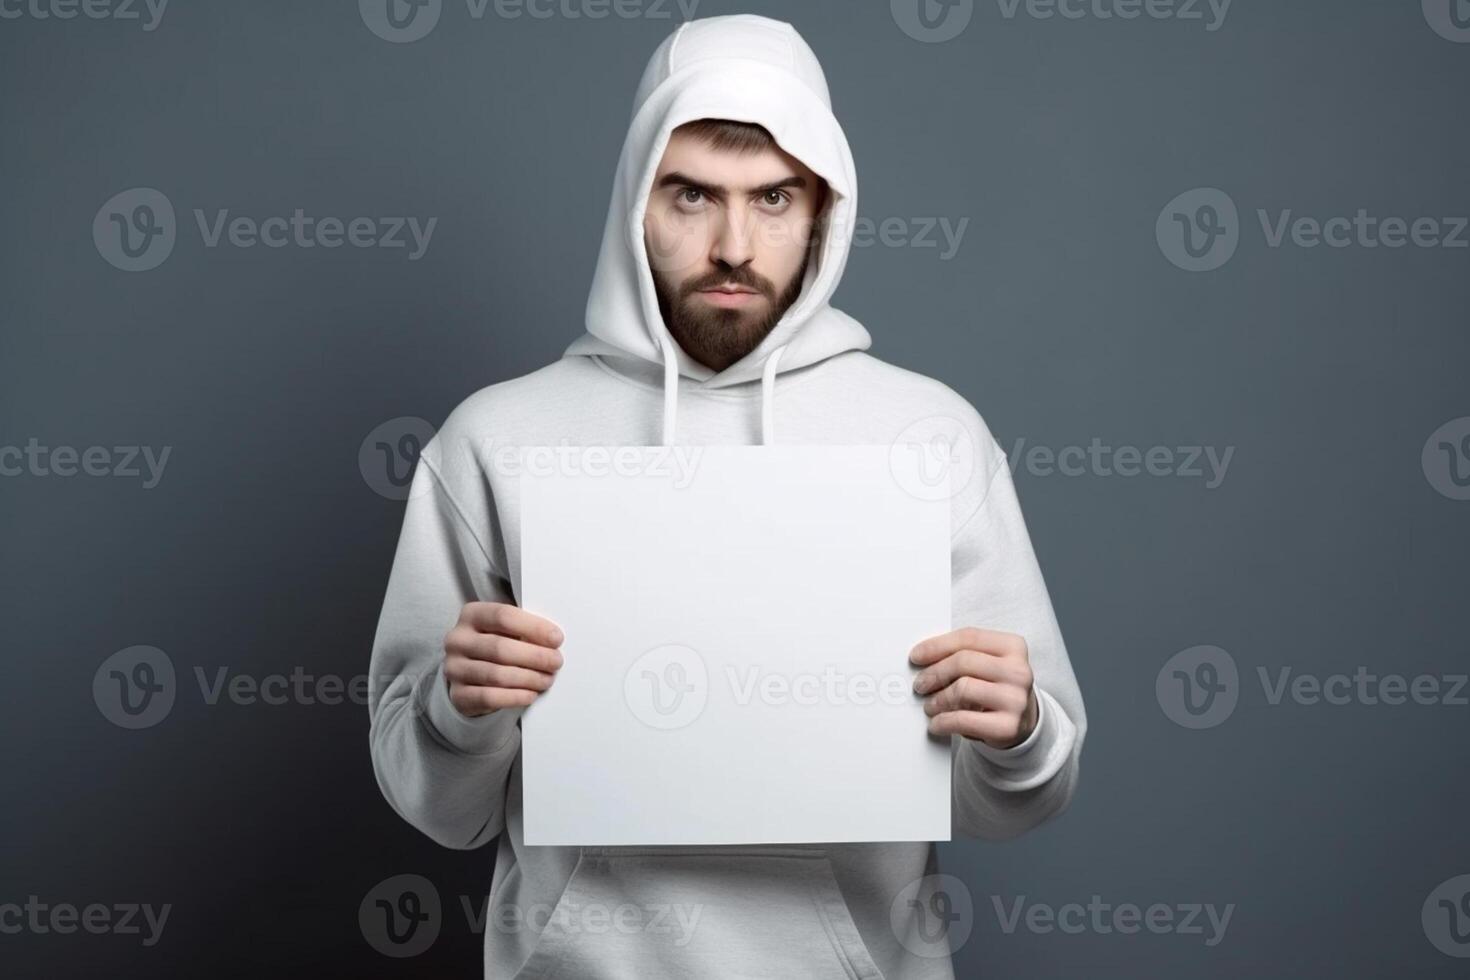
(671, 387)
(671, 392)
(768, 396)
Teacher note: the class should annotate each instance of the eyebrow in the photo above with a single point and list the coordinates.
(674, 177)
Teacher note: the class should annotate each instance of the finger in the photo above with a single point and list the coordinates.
(473, 701)
(508, 620)
(989, 726)
(966, 663)
(993, 642)
(499, 649)
(478, 673)
(973, 694)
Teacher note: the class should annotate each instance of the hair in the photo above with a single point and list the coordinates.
(728, 134)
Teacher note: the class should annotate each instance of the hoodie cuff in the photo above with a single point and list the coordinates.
(1035, 760)
(488, 734)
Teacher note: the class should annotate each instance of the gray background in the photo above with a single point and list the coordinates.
(264, 548)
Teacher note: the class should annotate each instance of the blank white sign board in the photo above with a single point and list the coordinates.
(738, 621)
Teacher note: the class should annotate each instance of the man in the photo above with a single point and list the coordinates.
(709, 321)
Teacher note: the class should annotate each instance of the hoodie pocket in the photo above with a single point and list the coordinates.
(648, 914)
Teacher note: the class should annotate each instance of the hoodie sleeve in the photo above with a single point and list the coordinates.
(442, 771)
(997, 584)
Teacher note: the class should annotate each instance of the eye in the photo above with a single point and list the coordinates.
(689, 196)
(775, 199)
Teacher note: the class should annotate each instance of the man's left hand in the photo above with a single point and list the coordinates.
(978, 684)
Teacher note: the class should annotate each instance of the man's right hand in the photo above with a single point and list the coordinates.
(499, 656)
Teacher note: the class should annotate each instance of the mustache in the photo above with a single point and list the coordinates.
(739, 276)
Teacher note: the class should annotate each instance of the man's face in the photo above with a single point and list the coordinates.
(728, 235)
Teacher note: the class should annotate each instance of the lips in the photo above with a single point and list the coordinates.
(730, 297)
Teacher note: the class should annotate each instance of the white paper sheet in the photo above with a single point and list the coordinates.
(738, 621)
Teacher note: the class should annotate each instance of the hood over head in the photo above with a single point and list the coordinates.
(748, 69)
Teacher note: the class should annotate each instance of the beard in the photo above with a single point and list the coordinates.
(715, 336)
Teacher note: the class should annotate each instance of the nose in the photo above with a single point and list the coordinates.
(732, 245)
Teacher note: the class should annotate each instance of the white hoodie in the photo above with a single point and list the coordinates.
(811, 911)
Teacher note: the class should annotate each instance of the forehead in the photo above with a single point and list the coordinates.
(697, 159)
